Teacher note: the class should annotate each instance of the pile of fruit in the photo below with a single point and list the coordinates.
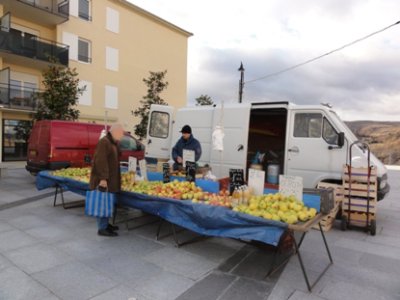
(79, 174)
(277, 207)
(271, 206)
(178, 173)
(127, 180)
(180, 190)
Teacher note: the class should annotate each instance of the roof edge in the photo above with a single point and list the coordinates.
(154, 17)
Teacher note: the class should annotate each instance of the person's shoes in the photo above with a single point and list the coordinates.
(113, 227)
(106, 232)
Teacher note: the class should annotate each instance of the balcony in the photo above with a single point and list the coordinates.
(16, 97)
(22, 48)
(44, 12)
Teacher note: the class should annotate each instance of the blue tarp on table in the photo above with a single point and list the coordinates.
(45, 179)
(201, 218)
(207, 220)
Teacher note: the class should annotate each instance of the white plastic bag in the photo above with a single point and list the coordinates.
(218, 138)
(103, 134)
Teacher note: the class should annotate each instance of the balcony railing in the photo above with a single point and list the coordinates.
(51, 6)
(17, 97)
(46, 12)
(27, 45)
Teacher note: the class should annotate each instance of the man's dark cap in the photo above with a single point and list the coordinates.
(186, 129)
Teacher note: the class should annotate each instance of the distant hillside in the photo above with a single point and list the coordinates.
(383, 138)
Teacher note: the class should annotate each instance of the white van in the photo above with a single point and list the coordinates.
(300, 140)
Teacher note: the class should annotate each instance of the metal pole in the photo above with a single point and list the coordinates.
(241, 82)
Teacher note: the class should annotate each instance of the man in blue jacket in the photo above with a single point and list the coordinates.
(186, 142)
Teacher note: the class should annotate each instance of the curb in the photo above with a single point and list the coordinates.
(25, 201)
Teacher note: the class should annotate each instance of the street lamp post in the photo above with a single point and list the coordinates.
(241, 82)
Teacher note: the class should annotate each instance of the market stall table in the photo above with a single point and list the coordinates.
(204, 219)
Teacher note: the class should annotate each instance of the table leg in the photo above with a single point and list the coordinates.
(59, 190)
(325, 242)
(274, 268)
(151, 221)
(174, 233)
(72, 204)
(297, 248)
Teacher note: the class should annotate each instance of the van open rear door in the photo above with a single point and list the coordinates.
(235, 122)
(159, 131)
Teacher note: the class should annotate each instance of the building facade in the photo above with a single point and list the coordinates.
(113, 45)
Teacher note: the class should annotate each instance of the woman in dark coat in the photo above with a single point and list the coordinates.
(106, 173)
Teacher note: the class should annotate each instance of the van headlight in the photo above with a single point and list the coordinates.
(383, 182)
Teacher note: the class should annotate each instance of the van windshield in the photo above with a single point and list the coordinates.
(351, 137)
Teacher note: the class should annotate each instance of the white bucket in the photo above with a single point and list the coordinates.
(273, 174)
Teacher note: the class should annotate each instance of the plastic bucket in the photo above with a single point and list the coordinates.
(256, 166)
(273, 174)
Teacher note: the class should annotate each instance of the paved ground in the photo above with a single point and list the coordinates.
(49, 252)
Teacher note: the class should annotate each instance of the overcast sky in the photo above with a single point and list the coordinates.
(362, 82)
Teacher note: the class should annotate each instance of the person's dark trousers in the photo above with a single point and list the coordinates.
(102, 223)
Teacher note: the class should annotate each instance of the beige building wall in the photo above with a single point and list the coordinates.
(143, 43)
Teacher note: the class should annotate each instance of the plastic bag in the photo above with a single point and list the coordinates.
(218, 138)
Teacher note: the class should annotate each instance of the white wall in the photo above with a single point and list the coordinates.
(111, 97)
(112, 59)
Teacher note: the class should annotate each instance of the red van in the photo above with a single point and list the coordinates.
(55, 144)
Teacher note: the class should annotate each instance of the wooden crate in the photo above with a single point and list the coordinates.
(360, 193)
(359, 219)
(328, 220)
(338, 190)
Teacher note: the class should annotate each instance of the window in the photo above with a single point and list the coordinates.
(22, 93)
(128, 143)
(112, 20)
(159, 124)
(71, 40)
(84, 10)
(112, 57)
(15, 89)
(308, 125)
(84, 50)
(86, 97)
(111, 94)
(329, 133)
(15, 139)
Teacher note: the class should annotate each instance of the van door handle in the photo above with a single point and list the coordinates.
(240, 147)
(294, 149)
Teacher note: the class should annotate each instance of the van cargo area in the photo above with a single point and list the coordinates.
(267, 136)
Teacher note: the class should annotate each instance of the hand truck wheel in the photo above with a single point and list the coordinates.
(373, 227)
(343, 223)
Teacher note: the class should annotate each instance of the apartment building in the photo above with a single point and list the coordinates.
(113, 45)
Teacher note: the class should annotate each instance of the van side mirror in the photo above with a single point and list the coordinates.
(341, 139)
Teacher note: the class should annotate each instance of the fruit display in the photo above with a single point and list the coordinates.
(79, 174)
(142, 187)
(127, 180)
(178, 173)
(278, 208)
(180, 190)
(270, 206)
(219, 199)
